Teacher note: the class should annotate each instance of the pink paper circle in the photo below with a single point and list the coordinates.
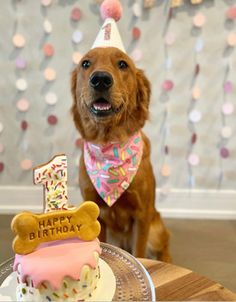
(224, 152)
(193, 159)
(2, 148)
(52, 120)
(169, 38)
(26, 164)
(228, 87)
(226, 132)
(23, 105)
(227, 108)
(136, 55)
(1, 167)
(48, 50)
(231, 13)
(79, 143)
(167, 85)
(75, 14)
(199, 20)
(136, 33)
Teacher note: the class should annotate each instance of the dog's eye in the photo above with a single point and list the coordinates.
(86, 64)
(122, 64)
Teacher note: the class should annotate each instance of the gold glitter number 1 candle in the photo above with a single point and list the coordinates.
(53, 176)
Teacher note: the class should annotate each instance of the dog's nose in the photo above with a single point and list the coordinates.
(101, 80)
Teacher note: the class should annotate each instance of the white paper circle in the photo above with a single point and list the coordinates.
(168, 63)
(21, 84)
(47, 25)
(193, 159)
(136, 54)
(226, 132)
(137, 9)
(227, 108)
(77, 36)
(195, 116)
(51, 98)
(199, 45)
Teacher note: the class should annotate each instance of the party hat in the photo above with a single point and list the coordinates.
(109, 36)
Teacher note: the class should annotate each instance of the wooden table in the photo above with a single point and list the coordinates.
(180, 284)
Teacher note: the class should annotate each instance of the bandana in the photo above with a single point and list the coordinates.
(112, 167)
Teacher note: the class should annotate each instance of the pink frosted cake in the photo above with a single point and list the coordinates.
(57, 252)
(58, 271)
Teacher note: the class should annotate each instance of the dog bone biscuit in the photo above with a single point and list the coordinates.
(34, 229)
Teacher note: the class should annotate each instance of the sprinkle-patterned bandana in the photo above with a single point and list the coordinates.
(112, 167)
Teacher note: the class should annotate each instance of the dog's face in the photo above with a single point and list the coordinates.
(110, 96)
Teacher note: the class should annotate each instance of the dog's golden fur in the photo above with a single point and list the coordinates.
(132, 222)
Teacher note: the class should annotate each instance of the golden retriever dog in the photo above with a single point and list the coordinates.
(110, 104)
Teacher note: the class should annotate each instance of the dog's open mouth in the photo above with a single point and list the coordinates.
(102, 108)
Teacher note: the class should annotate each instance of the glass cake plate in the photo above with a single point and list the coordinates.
(133, 282)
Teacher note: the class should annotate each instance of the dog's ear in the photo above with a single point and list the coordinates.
(143, 94)
(73, 84)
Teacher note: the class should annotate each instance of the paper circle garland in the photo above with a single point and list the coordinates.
(18, 40)
(22, 105)
(51, 98)
(20, 63)
(224, 152)
(75, 14)
(52, 120)
(26, 164)
(193, 159)
(49, 74)
(1, 167)
(21, 84)
(226, 132)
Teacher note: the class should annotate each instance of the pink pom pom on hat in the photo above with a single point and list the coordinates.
(109, 36)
